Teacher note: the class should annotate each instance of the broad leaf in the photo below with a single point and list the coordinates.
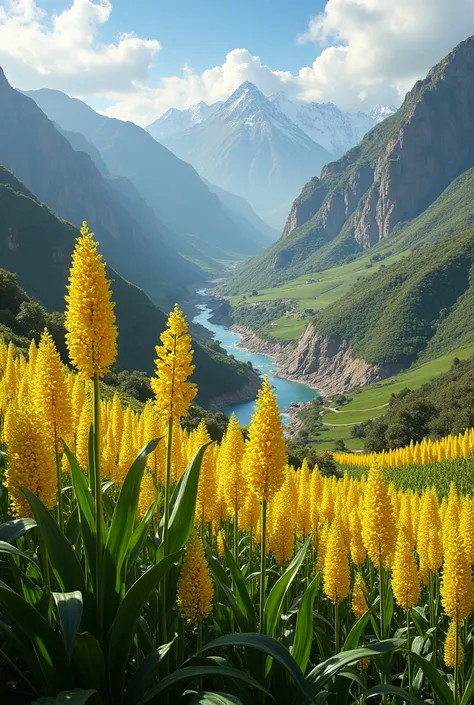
(144, 674)
(13, 550)
(467, 696)
(323, 672)
(274, 601)
(304, 625)
(242, 596)
(125, 623)
(190, 673)
(436, 680)
(183, 503)
(355, 635)
(47, 643)
(120, 533)
(404, 695)
(86, 507)
(14, 529)
(270, 647)
(66, 567)
(88, 662)
(69, 606)
(215, 699)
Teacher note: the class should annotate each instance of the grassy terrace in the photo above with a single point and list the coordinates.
(363, 402)
(313, 292)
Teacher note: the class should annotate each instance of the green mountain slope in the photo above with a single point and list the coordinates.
(399, 169)
(419, 307)
(169, 185)
(37, 246)
(69, 183)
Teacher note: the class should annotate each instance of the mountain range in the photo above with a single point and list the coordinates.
(263, 149)
(190, 217)
(377, 190)
(404, 196)
(50, 181)
(37, 245)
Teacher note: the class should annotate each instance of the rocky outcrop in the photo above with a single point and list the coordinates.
(403, 164)
(306, 205)
(328, 364)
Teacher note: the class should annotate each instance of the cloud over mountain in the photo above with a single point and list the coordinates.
(367, 52)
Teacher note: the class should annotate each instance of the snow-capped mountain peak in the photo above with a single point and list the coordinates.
(174, 121)
(327, 124)
(262, 148)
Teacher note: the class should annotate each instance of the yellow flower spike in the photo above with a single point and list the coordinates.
(147, 494)
(449, 647)
(220, 544)
(356, 545)
(173, 394)
(359, 596)
(378, 526)
(282, 529)
(230, 460)
(195, 588)
(91, 333)
(117, 420)
(467, 527)
(322, 544)
(405, 578)
(30, 461)
(207, 489)
(336, 565)
(327, 503)
(50, 392)
(250, 514)
(265, 453)
(32, 355)
(82, 436)
(457, 591)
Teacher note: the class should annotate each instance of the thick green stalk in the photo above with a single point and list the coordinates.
(250, 558)
(236, 530)
(98, 505)
(200, 644)
(382, 600)
(456, 666)
(337, 628)
(59, 481)
(382, 621)
(163, 613)
(168, 486)
(263, 566)
(410, 685)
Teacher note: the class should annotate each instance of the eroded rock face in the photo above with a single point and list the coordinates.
(432, 145)
(328, 364)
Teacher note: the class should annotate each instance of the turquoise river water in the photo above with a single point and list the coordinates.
(287, 391)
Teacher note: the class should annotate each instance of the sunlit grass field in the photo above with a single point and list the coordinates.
(314, 292)
(364, 402)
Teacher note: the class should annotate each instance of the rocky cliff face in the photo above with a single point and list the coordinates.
(419, 152)
(328, 364)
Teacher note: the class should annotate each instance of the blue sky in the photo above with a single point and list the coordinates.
(128, 57)
(201, 32)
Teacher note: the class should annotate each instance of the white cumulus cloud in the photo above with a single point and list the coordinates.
(366, 52)
(65, 51)
(378, 48)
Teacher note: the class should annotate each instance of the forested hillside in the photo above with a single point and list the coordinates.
(37, 247)
(419, 306)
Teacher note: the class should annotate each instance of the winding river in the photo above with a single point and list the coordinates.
(287, 391)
